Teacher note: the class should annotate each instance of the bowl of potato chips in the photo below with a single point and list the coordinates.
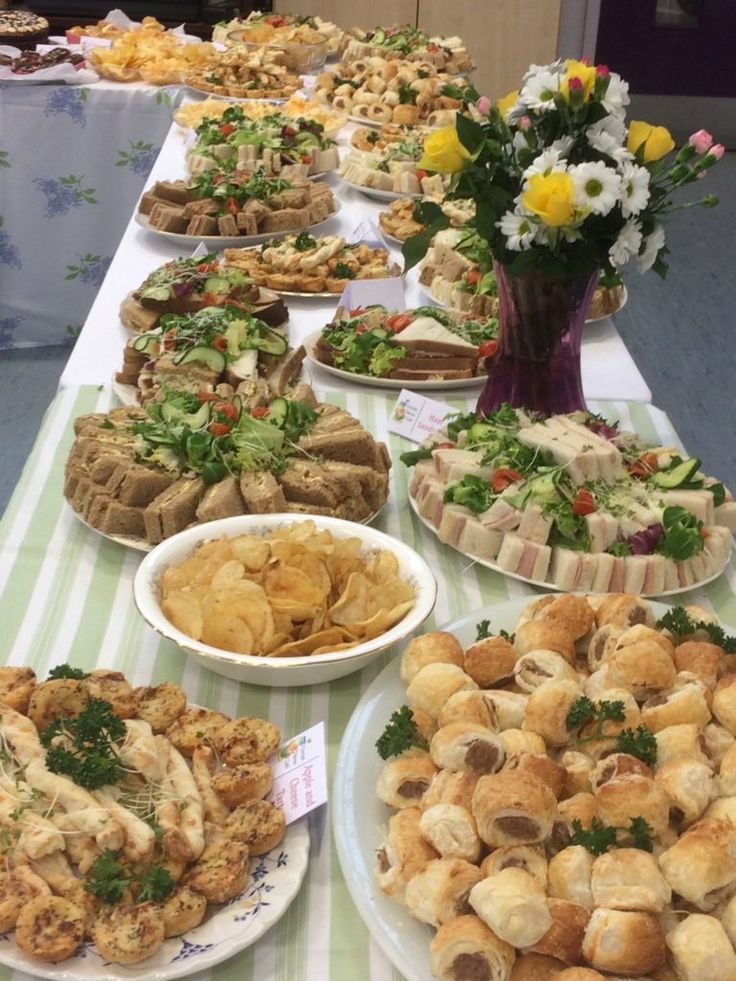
(284, 599)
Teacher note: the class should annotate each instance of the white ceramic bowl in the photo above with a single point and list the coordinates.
(280, 671)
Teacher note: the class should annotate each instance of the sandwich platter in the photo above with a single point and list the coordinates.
(234, 98)
(395, 383)
(214, 242)
(541, 583)
(375, 192)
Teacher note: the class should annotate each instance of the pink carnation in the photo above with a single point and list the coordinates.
(525, 123)
(603, 71)
(701, 141)
(717, 150)
(574, 84)
(483, 105)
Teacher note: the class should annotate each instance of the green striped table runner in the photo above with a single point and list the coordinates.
(65, 594)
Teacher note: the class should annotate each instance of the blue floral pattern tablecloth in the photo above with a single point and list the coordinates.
(73, 160)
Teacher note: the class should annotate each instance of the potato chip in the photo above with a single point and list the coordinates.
(229, 633)
(285, 582)
(354, 602)
(252, 551)
(383, 567)
(380, 622)
(185, 613)
(230, 571)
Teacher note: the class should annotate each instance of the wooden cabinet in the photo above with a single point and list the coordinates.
(503, 36)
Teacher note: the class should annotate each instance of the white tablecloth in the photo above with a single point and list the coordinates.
(73, 161)
(608, 369)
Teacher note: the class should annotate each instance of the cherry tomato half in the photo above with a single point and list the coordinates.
(583, 503)
(473, 277)
(227, 128)
(260, 411)
(487, 349)
(227, 409)
(219, 344)
(503, 477)
(398, 322)
(219, 428)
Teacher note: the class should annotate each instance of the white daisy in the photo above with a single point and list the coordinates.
(520, 141)
(652, 245)
(563, 145)
(617, 95)
(634, 189)
(595, 187)
(518, 229)
(626, 245)
(539, 91)
(549, 161)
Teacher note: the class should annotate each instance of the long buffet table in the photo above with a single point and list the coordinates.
(65, 593)
(608, 368)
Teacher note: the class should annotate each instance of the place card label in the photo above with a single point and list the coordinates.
(388, 292)
(300, 774)
(415, 417)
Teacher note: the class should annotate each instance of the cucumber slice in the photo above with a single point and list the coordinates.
(277, 411)
(479, 431)
(271, 342)
(217, 284)
(200, 418)
(380, 332)
(160, 293)
(207, 355)
(146, 343)
(676, 476)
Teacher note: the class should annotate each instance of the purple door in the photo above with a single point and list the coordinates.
(670, 47)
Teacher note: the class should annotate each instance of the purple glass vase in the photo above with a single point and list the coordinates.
(537, 363)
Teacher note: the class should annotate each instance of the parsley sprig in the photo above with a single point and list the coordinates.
(84, 748)
(599, 837)
(483, 631)
(109, 879)
(67, 671)
(680, 624)
(639, 742)
(400, 734)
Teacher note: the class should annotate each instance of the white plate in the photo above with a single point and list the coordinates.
(396, 383)
(376, 193)
(274, 882)
(235, 98)
(543, 584)
(224, 241)
(358, 816)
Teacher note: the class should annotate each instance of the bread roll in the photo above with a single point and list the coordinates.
(433, 684)
(451, 831)
(569, 876)
(547, 709)
(564, 939)
(440, 890)
(404, 780)
(690, 786)
(629, 878)
(701, 865)
(633, 796)
(464, 947)
(538, 667)
(703, 659)
(623, 942)
(467, 746)
(682, 705)
(624, 610)
(528, 858)
(490, 661)
(403, 853)
(701, 950)
(513, 808)
(430, 648)
(513, 905)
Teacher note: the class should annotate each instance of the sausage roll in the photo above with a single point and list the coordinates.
(681, 706)
(437, 645)
(451, 787)
(623, 942)
(690, 787)
(542, 766)
(624, 798)
(544, 635)
(624, 610)
(598, 748)
(580, 807)
(513, 808)
(564, 939)
(509, 707)
(536, 967)
(467, 746)
(701, 950)
(643, 668)
(512, 903)
(602, 643)
(470, 706)
(516, 741)
(433, 684)
(701, 865)
(615, 766)
(547, 708)
(716, 742)
(579, 974)
(571, 611)
(490, 661)
(538, 667)
(404, 852)
(595, 684)
(569, 876)
(404, 780)
(533, 609)
(640, 632)
(440, 890)
(528, 858)
(578, 771)
(724, 808)
(727, 773)
(703, 659)
(683, 741)
(464, 948)
(629, 878)
(451, 831)
(724, 702)
(727, 915)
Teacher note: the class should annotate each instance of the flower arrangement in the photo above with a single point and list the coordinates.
(559, 181)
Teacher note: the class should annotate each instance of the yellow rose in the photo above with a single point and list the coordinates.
(503, 105)
(550, 197)
(443, 152)
(578, 69)
(656, 140)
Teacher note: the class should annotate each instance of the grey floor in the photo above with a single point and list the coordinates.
(680, 333)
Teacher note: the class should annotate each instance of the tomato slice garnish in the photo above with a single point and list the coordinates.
(398, 322)
(487, 349)
(219, 428)
(219, 344)
(583, 503)
(504, 477)
(473, 277)
(260, 411)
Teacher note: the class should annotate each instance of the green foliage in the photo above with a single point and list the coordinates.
(400, 734)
